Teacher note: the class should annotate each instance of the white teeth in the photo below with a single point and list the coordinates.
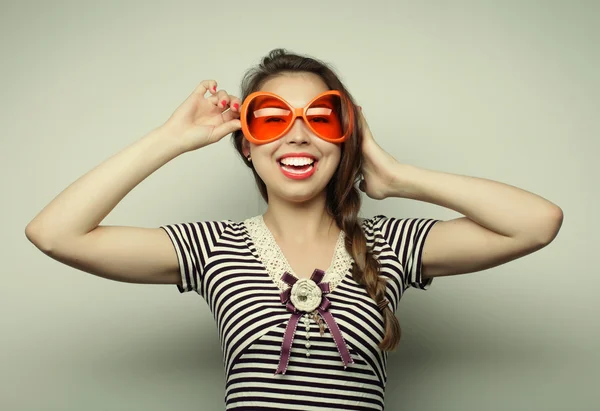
(297, 161)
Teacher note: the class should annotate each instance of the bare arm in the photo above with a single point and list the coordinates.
(81, 207)
(68, 228)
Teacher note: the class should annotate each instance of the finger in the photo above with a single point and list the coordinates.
(206, 85)
(228, 127)
(230, 115)
(362, 185)
(221, 99)
(362, 117)
(224, 99)
(235, 103)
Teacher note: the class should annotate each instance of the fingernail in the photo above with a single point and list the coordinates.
(236, 105)
(223, 103)
(214, 88)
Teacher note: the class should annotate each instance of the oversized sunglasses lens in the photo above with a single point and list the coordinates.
(269, 117)
(324, 116)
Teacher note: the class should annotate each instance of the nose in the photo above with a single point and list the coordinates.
(299, 133)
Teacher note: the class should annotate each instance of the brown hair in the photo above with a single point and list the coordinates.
(343, 198)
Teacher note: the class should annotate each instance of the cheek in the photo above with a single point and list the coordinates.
(263, 159)
(338, 154)
(335, 156)
(262, 165)
(266, 152)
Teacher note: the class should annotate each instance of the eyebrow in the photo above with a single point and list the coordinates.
(272, 103)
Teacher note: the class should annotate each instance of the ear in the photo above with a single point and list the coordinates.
(245, 147)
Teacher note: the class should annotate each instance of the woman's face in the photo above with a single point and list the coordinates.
(281, 163)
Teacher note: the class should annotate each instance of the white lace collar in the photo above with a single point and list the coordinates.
(276, 264)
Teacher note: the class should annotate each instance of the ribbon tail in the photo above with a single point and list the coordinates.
(317, 275)
(286, 345)
(337, 337)
(285, 295)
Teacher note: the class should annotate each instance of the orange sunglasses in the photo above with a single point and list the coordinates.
(266, 117)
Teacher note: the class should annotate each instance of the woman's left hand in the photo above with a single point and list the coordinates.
(379, 168)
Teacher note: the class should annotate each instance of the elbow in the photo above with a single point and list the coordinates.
(30, 233)
(551, 226)
(33, 234)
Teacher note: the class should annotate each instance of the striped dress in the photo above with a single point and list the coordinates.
(237, 268)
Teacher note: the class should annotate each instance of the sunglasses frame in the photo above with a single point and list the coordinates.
(296, 112)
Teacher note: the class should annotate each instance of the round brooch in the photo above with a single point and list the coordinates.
(306, 295)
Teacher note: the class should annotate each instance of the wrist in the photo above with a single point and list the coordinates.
(403, 184)
(165, 141)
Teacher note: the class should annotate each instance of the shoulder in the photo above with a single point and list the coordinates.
(393, 227)
(371, 221)
(247, 223)
(205, 228)
(375, 224)
(204, 224)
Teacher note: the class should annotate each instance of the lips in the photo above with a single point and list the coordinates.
(298, 173)
(297, 166)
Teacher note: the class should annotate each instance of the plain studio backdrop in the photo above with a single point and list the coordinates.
(505, 90)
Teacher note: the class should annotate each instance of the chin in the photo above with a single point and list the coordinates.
(297, 196)
(296, 191)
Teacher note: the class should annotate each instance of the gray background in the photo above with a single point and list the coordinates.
(506, 90)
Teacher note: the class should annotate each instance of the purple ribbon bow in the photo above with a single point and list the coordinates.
(323, 310)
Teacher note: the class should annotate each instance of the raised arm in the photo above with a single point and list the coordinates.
(68, 229)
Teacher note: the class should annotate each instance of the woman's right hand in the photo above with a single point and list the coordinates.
(200, 121)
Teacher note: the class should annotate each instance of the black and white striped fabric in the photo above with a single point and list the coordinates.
(219, 261)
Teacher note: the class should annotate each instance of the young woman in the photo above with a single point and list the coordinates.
(304, 296)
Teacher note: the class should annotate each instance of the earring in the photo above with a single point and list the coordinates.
(249, 158)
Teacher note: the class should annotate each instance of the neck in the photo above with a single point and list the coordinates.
(300, 222)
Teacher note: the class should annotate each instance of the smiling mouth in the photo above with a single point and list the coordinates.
(297, 165)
